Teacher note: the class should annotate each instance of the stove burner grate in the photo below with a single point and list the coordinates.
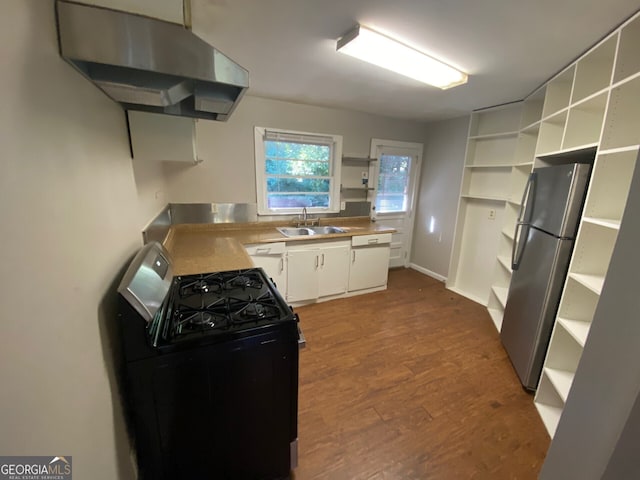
(221, 302)
(243, 280)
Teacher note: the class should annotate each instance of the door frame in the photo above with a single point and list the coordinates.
(415, 150)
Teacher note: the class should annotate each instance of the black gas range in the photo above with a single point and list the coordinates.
(211, 372)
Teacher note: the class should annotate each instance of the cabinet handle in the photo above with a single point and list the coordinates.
(281, 264)
(353, 256)
(372, 240)
(322, 264)
(316, 262)
(263, 250)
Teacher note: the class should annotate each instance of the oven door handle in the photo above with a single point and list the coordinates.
(302, 342)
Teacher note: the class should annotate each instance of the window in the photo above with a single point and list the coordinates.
(296, 170)
(393, 184)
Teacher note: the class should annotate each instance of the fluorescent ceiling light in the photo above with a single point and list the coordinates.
(373, 47)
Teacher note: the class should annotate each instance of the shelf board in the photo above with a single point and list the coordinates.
(496, 316)
(589, 97)
(501, 294)
(566, 151)
(490, 165)
(523, 164)
(484, 197)
(531, 127)
(561, 380)
(494, 135)
(359, 159)
(628, 79)
(630, 148)
(576, 328)
(603, 222)
(508, 234)
(550, 116)
(550, 416)
(592, 282)
(505, 262)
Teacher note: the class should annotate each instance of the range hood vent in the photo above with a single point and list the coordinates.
(148, 64)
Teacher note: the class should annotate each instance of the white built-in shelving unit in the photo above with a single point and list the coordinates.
(502, 140)
(604, 113)
(490, 159)
(352, 186)
(590, 110)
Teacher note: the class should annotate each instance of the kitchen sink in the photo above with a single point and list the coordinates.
(327, 230)
(295, 231)
(305, 231)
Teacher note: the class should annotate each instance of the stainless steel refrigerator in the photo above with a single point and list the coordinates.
(544, 238)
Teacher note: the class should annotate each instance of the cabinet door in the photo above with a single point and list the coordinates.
(275, 268)
(334, 270)
(369, 267)
(302, 274)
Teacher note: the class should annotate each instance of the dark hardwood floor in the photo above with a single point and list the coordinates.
(411, 383)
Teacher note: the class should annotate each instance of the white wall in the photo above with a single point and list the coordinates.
(228, 171)
(72, 210)
(438, 195)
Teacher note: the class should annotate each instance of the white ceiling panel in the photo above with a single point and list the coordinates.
(508, 48)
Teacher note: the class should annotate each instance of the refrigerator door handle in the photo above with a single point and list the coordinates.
(516, 248)
(525, 194)
(515, 264)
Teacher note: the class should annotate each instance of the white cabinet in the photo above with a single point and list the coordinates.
(317, 270)
(155, 136)
(302, 274)
(271, 258)
(334, 270)
(369, 261)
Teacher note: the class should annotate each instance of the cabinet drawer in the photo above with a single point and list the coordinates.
(275, 248)
(375, 239)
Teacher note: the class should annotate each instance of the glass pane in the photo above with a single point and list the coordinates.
(393, 183)
(297, 151)
(297, 200)
(275, 184)
(297, 167)
(298, 174)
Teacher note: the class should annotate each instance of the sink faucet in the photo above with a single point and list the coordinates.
(304, 215)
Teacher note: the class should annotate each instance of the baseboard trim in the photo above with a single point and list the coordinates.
(431, 274)
(469, 296)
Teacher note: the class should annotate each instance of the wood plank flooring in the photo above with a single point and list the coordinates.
(411, 383)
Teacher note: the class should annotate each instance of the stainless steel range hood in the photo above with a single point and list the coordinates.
(147, 64)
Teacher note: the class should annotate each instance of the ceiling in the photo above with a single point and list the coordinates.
(508, 48)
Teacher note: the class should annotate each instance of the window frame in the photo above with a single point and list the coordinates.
(335, 162)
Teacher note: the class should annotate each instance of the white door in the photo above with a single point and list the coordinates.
(369, 267)
(270, 257)
(273, 266)
(302, 274)
(396, 176)
(334, 270)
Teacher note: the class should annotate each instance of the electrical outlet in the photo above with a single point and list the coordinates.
(492, 214)
(343, 205)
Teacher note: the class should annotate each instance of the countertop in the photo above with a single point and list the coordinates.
(200, 248)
